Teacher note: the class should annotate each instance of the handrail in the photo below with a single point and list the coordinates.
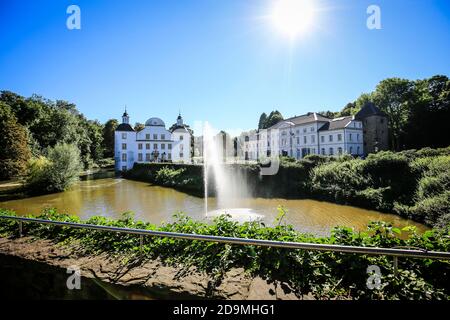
(422, 253)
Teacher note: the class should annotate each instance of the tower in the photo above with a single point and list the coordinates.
(179, 120)
(125, 117)
(375, 125)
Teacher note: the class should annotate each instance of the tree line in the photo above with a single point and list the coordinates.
(32, 126)
(418, 111)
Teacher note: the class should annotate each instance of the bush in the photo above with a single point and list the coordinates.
(55, 173)
(323, 274)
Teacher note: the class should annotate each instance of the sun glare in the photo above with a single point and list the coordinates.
(293, 17)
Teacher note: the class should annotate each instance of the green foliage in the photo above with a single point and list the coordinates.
(324, 274)
(55, 173)
(185, 177)
(108, 137)
(15, 151)
(47, 123)
(268, 121)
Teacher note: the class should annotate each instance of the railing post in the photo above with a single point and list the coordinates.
(20, 229)
(395, 266)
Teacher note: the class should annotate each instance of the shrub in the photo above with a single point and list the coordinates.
(55, 173)
(324, 274)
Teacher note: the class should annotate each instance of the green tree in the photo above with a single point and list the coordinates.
(273, 118)
(138, 126)
(262, 121)
(57, 172)
(15, 151)
(429, 114)
(394, 96)
(108, 137)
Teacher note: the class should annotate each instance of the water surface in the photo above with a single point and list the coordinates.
(113, 196)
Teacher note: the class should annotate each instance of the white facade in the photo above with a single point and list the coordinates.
(308, 134)
(154, 143)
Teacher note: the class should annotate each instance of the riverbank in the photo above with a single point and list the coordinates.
(321, 275)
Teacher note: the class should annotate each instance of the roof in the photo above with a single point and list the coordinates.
(124, 127)
(155, 122)
(180, 129)
(369, 109)
(338, 123)
(306, 118)
(177, 128)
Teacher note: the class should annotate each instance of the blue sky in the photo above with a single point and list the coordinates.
(216, 60)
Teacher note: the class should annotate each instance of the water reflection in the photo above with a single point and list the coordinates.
(113, 196)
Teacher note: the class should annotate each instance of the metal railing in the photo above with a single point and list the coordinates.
(395, 252)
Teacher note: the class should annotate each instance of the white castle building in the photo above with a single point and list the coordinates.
(299, 136)
(154, 143)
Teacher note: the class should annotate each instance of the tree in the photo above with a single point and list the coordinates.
(429, 114)
(262, 121)
(15, 151)
(273, 118)
(138, 126)
(56, 172)
(394, 97)
(108, 137)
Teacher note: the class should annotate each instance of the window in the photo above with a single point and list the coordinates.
(140, 157)
(322, 139)
(169, 156)
(381, 120)
(304, 140)
(357, 137)
(163, 146)
(147, 136)
(155, 137)
(350, 137)
(331, 151)
(181, 154)
(358, 150)
(351, 150)
(163, 137)
(124, 157)
(330, 138)
(155, 146)
(124, 146)
(124, 135)
(304, 130)
(323, 151)
(298, 140)
(339, 137)
(312, 129)
(147, 146)
(147, 157)
(313, 139)
(340, 150)
(181, 137)
(181, 147)
(169, 146)
(140, 146)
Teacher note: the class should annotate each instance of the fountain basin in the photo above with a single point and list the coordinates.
(236, 214)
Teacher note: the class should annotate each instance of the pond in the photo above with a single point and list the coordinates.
(113, 196)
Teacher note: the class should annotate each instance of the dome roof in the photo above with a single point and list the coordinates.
(155, 122)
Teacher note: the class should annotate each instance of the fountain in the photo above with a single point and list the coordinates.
(230, 186)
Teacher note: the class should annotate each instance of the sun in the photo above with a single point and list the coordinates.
(293, 17)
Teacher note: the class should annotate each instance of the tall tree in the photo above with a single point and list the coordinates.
(108, 137)
(262, 121)
(429, 114)
(15, 151)
(394, 96)
(273, 118)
